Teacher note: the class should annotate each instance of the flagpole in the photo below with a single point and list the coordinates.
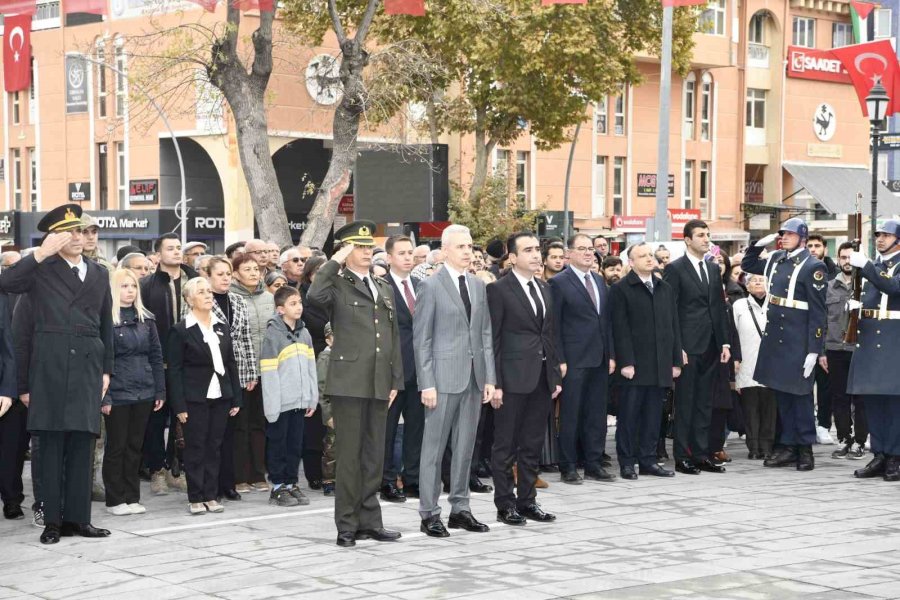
(661, 226)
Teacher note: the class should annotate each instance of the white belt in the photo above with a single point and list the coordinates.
(788, 303)
(868, 313)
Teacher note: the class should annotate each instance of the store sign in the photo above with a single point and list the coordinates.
(824, 122)
(638, 224)
(8, 225)
(124, 221)
(346, 205)
(79, 191)
(889, 142)
(646, 184)
(209, 223)
(753, 192)
(143, 191)
(551, 223)
(818, 65)
(893, 185)
(76, 84)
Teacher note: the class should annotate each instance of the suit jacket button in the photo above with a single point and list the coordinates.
(376, 321)
(72, 351)
(377, 349)
(878, 345)
(878, 331)
(378, 335)
(340, 358)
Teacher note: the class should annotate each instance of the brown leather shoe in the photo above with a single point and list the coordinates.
(721, 457)
(541, 484)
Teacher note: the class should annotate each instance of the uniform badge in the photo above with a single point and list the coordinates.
(819, 275)
(819, 332)
(885, 275)
(819, 286)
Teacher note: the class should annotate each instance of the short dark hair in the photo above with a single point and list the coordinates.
(658, 250)
(166, 236)
(240, 259)
(845, 246)
(393, 240)
(611, 261)
(553, 246)
(599, 237)
(816, 236)
(633, 246)
(283, 293)
(579, 235)
(693, 224)
(310, 267)
(512, 240)
(231, 249)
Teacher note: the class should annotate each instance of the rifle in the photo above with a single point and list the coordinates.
(853, 323)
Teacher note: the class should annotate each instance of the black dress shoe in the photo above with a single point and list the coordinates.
(598, 474)
(533, 512)
(433, 527)
(709, 466)
(391, 493)
(656, 471)
(549, 468)
(446, 487)
(144, 474)
(892, 468)
(231, 494)
(411, 490)
(346, 539)
(606, 461)
(510, 516)
(13, 511)
(464, 520)
(875, 468)
(686, 467)
(477, 487)
(315, 484)
(783, 458)
(570, 477)
(627, 472)
(50, 535)
(805, 460)
(68, 529)
(379, 535)
(754, 455)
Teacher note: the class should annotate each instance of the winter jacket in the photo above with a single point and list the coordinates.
(138, 374)
(160, 297)
(260, 308)
(750, 339)
(288, 368)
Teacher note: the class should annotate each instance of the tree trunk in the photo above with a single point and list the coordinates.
(482, 158)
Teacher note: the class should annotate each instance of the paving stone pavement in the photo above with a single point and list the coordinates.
(752, 533)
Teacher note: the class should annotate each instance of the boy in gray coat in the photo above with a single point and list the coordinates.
(290, 391)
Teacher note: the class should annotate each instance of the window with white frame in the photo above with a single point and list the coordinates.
(705, 106)
(601, 111)
(618, 185)
(690, 100)
(33, 178)
(32, 100)
(712, 20)
(501, 163)
(17, 178)
(121, 82)
(121, 182)
(522, 178)
(883, 23)
(46, 10)
(101, 79)
(804, 33)
(619, 112)
(841, 35)
(756, 108)
(757, 33)
(16, 108)
(598, 206)
(703, 190)
(687, 186)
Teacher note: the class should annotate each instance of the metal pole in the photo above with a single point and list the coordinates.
(183, 202)
(568, 178)
(661, 226)
(874, 225)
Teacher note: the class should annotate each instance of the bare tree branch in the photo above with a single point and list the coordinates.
(336, 22)
(366, 22)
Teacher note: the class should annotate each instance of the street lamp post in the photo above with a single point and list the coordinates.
(876, 104)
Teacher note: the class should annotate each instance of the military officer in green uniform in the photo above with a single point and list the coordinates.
(365, 374)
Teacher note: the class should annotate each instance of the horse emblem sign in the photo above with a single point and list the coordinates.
(824, 122)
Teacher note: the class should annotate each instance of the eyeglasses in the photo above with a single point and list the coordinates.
(297, 259)
(583, 249)
(256, 252)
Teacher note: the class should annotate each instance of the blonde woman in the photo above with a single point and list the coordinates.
(204, 389)
(136, 388)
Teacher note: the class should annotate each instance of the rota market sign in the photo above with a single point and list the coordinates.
(818, 65)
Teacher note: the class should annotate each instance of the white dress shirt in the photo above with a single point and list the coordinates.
(454, 275)
(81, 265)
(212, 340)
(367, 277)
(524, 283)
(399, 281)
(580, 274)
(696, 262)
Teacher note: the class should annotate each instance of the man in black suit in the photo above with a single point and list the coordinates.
(701, 312)
(584, 344)
(648, 346)
(408, 401)
(528, 378)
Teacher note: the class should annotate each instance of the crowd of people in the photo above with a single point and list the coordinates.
(398, 372)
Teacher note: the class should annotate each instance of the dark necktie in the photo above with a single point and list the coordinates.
(538, 307)
(649, 286)
(77, 273)
(703, 279)
(590, 291)
(368, 289)
(464, 293)
(407, 293)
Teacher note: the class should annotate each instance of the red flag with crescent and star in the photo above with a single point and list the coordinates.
(17, 52)
(868, 64)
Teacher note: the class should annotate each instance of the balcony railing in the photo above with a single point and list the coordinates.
(757, 56)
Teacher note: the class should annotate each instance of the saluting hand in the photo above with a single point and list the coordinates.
(341, 255)
(51, 245)
(766, 240)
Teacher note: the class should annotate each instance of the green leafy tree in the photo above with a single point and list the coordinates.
(494, 214)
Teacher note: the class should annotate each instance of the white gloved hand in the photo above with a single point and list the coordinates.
(853, 305)
(809, 364)
(858, 259)
(766, 240)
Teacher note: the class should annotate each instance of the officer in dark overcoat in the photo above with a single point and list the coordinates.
(68, 371)
(794, 336)
(872, 368)
(365, 373)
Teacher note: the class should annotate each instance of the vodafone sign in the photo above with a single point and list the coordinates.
(638, 223)
(818, 65)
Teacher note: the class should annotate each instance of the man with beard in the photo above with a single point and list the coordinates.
(819, 249)
(816, 246)
(554, 259)
(612, 270)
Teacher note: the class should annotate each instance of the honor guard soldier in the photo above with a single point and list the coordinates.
(70, 364)
(794, 336)
(365, 374)
(876, 350)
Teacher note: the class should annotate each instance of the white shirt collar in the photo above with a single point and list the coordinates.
(796, 251)
(579, 272)
(646, 279)
(80, 264)
(190, 320)
(399, 280)
(521, 279)
(887, 257)
(453, 273)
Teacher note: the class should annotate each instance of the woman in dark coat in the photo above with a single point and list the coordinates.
(137, 387)
(204, 389)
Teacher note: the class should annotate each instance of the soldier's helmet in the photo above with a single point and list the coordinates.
(795, 225)
(891, 227)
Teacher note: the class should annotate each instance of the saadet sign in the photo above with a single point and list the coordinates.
(818, 65)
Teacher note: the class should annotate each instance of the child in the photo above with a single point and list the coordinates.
(289, 391)
(328, 450)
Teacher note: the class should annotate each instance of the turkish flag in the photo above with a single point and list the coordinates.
(245, 5)
(667, 3)
(17, 52)
(95, 7)
(870, 63)
(18, 7)
(863, 9)
(415, 8)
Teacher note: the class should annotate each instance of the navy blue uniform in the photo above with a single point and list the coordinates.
(875, 355)
(795, 327)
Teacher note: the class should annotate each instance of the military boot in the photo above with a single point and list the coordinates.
(873, 469)
(805, 460)
(785, 457)
(892, 468)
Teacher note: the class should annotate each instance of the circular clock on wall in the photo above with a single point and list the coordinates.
(323, 81)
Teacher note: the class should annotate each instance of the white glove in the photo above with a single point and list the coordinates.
(853, 305)
(858, 259)
(809, 364)
(766, 240)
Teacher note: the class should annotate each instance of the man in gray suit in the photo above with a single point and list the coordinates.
(455, 369)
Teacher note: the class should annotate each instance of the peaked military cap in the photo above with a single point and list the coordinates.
(62, 218)
(358, 233)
